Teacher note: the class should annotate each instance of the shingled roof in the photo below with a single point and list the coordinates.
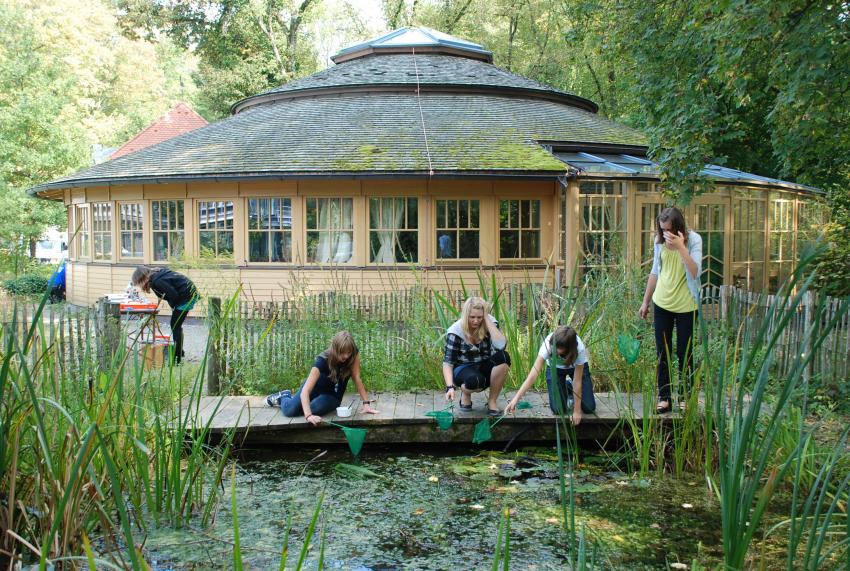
(180, 119)
(366, 117)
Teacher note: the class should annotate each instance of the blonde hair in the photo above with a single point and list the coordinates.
(342, 342)
(142, 277)
(468, 306)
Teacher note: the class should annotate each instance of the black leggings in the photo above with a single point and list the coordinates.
(664, 322)
(177, 318)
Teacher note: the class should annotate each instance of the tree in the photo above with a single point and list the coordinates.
(244, 46)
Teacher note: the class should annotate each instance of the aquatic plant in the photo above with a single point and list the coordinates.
(80, 464)
(750, 413)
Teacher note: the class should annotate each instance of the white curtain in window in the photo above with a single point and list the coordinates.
(334, 242)
(392, 213)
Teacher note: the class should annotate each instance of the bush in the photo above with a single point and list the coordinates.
(26, 285)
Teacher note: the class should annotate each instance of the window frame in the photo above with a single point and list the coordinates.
(619, 198)
(520, 229)
(351, 229)
(121, 231)
(248, 229)
(457, 229)
(100, 232)
(82, 231)
(231, 258)
(169, 232)
(406, 220)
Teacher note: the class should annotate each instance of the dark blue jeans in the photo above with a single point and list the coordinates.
(562, 390)
(320, 402)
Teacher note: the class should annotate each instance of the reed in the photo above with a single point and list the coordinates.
(750, 411)
(85, 463)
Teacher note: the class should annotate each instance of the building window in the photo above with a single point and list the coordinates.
(131, 217)
(649, 212)
(458, 229)
(519, 229)
(102, 230)
(168, 223)
(748, 213)
(781, 254)
(82, 227)
(269, 230)
(393, 234)
(709, 221)
(215, 229)
(602, 229)
(330, 230)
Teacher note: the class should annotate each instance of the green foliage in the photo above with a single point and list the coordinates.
(26, 285)
(833, 265)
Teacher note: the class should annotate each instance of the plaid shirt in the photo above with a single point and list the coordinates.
(459, 351)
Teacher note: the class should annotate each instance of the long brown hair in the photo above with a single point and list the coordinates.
(677, 223)
(142, 277)
(342, 342)
(566, 338)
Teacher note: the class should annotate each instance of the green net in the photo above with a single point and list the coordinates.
(629, 347)
(524, 404)
(354, 436)
(482, 432)
(444, 418)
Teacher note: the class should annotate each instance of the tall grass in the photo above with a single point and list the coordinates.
(751, 411)
(82, 468)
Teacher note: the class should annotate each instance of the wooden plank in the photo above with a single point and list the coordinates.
(404, 408)
(424, 403)
(387, 406)
(227, 415)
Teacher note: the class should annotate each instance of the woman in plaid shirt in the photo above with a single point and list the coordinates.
(475, 356)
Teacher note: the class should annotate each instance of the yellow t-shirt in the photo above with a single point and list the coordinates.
(671, 290)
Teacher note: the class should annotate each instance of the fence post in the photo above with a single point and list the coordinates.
(109, 328)
(213, 357)
(808, 312)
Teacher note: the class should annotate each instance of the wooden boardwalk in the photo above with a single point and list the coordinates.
(403, 419)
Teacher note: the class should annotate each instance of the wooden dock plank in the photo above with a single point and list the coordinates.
(404, 418)
(404, 408)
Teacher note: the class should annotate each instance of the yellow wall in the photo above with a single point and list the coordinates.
(89, 280)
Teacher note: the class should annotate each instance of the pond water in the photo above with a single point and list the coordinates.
(441, 510)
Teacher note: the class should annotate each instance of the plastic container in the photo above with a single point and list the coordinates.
(343, 411)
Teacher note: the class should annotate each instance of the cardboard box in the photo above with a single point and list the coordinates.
(155, 355)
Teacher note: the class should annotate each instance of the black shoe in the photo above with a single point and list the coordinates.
(663, 407)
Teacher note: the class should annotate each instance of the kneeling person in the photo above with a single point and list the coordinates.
(325, 385)
(573, 365)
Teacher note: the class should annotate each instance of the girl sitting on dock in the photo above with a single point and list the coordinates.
(475, 356)
(322, 391)
(574, 387)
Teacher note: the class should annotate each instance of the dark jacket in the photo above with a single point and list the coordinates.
(174, 288)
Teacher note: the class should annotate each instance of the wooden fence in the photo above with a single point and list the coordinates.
(70, 333)
(741, 310)
(286, 344)
(80, 341)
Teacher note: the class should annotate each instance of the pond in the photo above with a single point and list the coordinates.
(440, 509)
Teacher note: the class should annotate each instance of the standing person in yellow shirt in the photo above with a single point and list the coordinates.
(673, 289)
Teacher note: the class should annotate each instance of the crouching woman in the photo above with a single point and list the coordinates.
(475, 356)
